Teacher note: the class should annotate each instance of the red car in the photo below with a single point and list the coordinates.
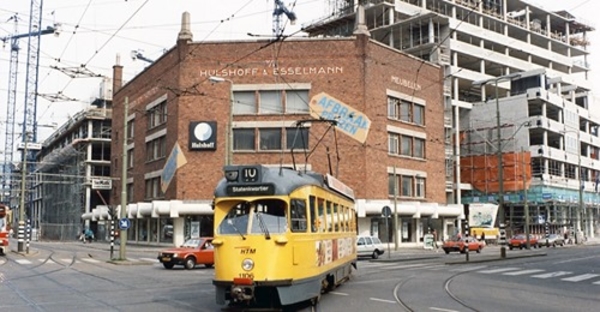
(461, 244)
(520, 241)
(193, 251)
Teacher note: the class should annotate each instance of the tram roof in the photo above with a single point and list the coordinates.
(283, 179)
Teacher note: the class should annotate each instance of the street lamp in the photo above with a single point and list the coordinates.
(499, 151)
(213, 79)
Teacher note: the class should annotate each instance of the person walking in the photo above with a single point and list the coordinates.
(482, 237)
(435, 240)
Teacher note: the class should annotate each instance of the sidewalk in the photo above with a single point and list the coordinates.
(489, 253)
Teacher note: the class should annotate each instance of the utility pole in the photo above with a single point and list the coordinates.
(123, 214)
(21, 233)
(526, 207)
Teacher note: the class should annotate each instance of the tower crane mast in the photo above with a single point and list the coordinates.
(280, 9)
(30, 110)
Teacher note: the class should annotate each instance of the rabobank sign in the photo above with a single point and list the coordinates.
(349, 120)
(203, 135)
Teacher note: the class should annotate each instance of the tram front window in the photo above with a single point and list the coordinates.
(263, 217)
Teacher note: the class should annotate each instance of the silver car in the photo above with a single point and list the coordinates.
(551, 240)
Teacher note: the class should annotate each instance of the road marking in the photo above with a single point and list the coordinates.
(580, 278)
(523, 272)
(596, 283)
(383, 300)
(443, 310)
(149, 259)
(90, 260)
(552, 274)
(48, 261)
(576, 259)
(338, 293)
(497, 270)
(466, 269)
(22, 261)
(67, 260)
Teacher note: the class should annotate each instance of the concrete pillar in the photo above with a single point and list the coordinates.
(178, 231)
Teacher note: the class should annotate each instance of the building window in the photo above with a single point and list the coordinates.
(157, 115)
(406, 111)
(420, 187)
(130, 129)
(129, 190)
(419, 148)
(392, 181)
(244, 102)
(296, 101)
(407, 186)
(406, 146)
(244, 139)
(156, 149)
(269, 102)
(393, 143)
(296, 138)
(270, 139)
(153, 189)
(130, 158)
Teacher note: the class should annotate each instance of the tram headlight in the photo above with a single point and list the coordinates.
(247, 264)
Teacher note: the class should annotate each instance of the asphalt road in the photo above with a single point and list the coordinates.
(76, 277)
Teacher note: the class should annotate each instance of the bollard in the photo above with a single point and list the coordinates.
(112, 238)
(547, 233)
(467, 239)
(502, 240)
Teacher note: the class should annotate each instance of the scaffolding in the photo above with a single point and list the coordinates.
(60, 176)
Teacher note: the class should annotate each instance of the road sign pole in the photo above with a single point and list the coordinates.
(123, 234)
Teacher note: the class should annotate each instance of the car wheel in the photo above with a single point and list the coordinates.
(168, 265)
(375, 254)
(511, 247)
(447, 251)
(521, 247)
(190, 263)
(479, 249)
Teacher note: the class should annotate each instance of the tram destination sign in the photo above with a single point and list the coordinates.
(250, 190)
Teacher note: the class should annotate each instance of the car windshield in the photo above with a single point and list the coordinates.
(256, 217)
(192, 243)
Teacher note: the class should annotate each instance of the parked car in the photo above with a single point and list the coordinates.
(461, 244)
(551, 240)
(369, 246)
(194, 251)
(520, 241)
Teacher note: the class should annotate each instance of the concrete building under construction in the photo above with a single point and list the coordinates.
(73, 172)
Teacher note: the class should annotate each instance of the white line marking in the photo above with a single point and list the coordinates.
(580, 278)
(466, 269)
(67, 260)
(90, 260)
(497, 270)
(149, 259)
(22, 261)
(338, 293)
(552, 274)
(383, 300)
(523, 272)
(576, 259)
(596, 283)
(440, 309)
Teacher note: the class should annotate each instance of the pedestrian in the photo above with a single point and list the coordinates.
(88, 235)
(435, 240)
(482, 237)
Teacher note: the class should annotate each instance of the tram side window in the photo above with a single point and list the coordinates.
(313, 214)
(322, 220)
(298, 215)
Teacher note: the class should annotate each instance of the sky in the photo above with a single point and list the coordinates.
(93, 32)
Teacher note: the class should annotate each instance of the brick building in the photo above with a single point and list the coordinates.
(271, 85)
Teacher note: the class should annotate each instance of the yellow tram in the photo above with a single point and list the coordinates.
(281, 236)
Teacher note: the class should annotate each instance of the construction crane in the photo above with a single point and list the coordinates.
(12, 97)
(280, 9)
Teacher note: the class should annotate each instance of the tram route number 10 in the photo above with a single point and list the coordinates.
(250, 174)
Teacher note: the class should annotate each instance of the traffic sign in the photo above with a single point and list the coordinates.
(386, 212)
(124, 224)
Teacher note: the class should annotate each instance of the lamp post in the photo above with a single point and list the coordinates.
(229, 156)
(499, 149)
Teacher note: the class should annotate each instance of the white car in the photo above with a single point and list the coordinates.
(369, 246)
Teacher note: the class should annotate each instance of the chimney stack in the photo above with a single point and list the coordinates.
(361, 27)
(117, 75)
(186, 30)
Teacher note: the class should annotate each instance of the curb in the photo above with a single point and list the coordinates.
(497, 258)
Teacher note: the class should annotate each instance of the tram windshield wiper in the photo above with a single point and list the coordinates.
(262, 225)
(230, 222)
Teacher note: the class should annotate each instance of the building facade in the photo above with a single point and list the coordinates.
(388, 145)
(478, 41)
